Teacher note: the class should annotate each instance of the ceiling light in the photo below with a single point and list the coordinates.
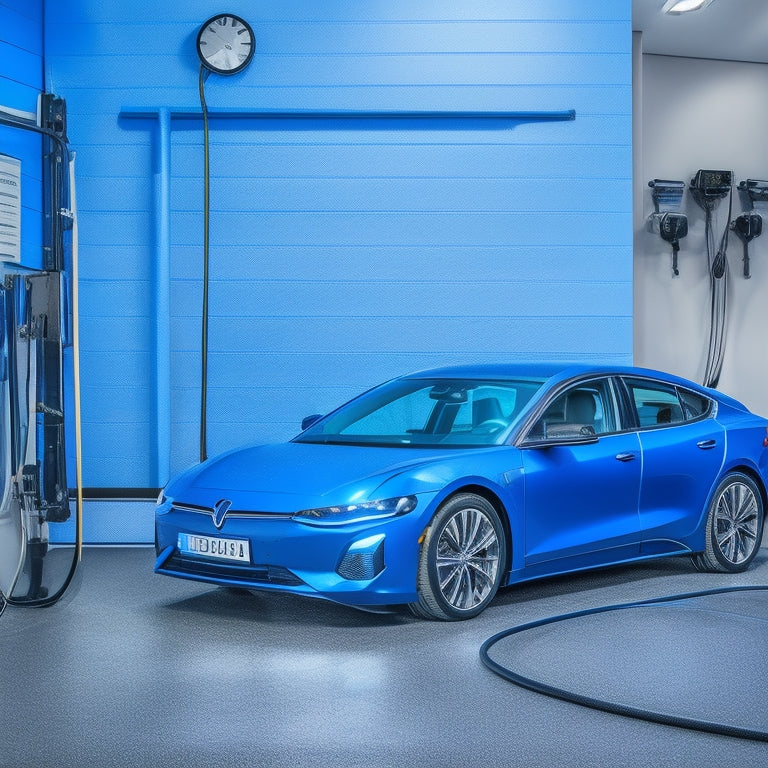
(684, 6)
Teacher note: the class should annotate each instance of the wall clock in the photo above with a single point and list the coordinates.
(226, 44)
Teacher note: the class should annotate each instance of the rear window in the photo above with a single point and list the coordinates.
(658, 404)
(694, 405)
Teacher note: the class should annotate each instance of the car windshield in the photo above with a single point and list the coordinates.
(427, 413)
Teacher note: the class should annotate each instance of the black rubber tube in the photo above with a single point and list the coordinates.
(721, 729)
(206, 271)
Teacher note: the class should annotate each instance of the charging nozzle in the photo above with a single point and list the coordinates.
(748, 226)
(671, 227)
(667, 198)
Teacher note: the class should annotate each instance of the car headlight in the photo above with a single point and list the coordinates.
(353, 513)
(164, 503)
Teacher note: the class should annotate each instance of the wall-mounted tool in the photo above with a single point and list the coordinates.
(671, 227)
(666, 220)
(711, 185)
(756, 190)
(748, 226)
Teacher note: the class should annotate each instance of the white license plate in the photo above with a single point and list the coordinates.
(215, 547)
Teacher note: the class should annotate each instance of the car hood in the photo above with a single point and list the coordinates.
(292, 476)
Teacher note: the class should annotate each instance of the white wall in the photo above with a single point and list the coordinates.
(694, 114)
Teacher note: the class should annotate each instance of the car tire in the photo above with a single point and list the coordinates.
(461, 560)
(734, 526)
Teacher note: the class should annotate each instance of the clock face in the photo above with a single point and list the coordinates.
(225, 44)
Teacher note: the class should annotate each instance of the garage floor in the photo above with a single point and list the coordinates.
(134, 669)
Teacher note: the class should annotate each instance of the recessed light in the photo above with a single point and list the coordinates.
(684, 6)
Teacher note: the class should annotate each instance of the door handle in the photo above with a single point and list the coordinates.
(625, 456)
(705, 444)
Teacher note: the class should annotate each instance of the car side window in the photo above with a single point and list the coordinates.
(659, 404)
(694, 405)
(583, 410)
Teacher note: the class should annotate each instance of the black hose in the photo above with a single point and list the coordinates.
(718, 277)
(721, 729)
(206, 259)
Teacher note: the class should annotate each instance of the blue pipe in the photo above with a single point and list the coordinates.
(162, 295)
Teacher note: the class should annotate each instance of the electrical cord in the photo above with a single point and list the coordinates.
(718, 279)
(206, 259)
(722, 729)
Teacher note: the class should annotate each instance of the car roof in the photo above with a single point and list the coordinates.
(561, 371)
(494, 371)
(537, 370)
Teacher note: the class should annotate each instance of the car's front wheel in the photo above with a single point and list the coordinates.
(461, 560)
(734, 526)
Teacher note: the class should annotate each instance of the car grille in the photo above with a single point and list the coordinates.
(362, 566)
(181, 507)
(247, 574)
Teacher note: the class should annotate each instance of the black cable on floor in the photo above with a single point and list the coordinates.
(721, 729)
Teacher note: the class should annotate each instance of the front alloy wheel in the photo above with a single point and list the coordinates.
(734, 526)
(461, 561)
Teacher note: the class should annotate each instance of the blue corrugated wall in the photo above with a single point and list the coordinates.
(344, 249)
(21, 80)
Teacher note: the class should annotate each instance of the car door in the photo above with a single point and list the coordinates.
(581, 480)
(683, 451)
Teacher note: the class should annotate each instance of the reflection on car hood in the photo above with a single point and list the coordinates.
(292, 476)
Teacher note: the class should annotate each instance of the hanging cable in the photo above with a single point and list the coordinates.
(206, 238)
(718, 271)
(707, 188)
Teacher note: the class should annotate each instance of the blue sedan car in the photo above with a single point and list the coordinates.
(436, 489)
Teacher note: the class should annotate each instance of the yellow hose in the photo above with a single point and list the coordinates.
(76, 368)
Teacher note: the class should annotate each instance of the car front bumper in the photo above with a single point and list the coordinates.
(370, 563)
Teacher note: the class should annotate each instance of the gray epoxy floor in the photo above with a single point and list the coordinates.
(134, 669)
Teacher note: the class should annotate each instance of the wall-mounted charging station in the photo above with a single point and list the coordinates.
(708, 188)
(38, 360)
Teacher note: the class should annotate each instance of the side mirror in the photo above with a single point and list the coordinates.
(308, 421)
(555, 435)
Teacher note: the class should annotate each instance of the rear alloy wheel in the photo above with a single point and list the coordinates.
(461, 560)
(734, 526)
